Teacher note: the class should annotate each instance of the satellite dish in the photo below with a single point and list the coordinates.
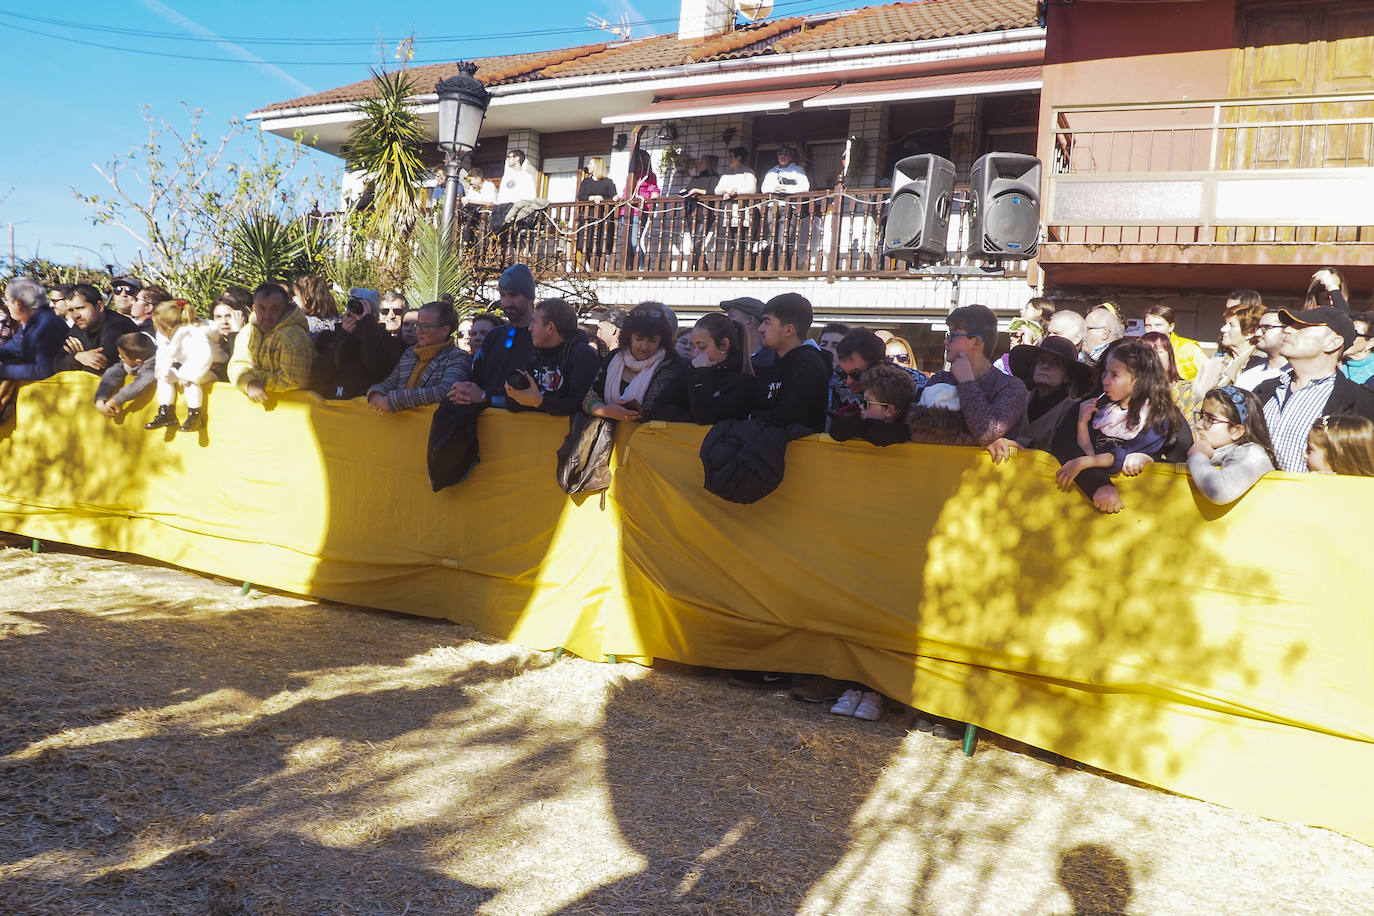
(754, 10)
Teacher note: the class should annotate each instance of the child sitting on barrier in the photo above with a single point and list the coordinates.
(888, 391)
(187, 349)
(129, 377)
(1134, 422)
(1232, 449)
(1341, 444)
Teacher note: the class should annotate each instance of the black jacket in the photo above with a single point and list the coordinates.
(1346, 397)
(709, 394)
(794, 391)
(563, 373)
(105, 339)
(1064, 446)
(346, 365)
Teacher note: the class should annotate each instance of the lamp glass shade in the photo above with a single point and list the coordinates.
(462, 107)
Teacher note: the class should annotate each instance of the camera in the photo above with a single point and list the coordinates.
(518, 380)
(356, 307)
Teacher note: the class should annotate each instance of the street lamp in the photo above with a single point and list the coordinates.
(462, 106)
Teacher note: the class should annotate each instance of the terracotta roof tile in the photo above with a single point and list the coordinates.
(895, 22)
(911, 22)
(492, 71)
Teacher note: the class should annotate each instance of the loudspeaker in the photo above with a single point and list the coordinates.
(917, 224)
(1004, 207)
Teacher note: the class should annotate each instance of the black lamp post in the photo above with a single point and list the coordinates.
(462, 107)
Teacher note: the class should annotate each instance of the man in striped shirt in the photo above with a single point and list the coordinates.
(1310, 387)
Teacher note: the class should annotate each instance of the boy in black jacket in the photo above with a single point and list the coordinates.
(794, 390)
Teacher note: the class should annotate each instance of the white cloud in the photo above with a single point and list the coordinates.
(195, 28)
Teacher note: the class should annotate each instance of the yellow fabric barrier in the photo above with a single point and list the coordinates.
(1223, 653)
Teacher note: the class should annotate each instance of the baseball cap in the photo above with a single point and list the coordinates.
(1327, 315)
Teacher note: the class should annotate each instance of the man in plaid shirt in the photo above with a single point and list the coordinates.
(1310, 387)
(273, 352)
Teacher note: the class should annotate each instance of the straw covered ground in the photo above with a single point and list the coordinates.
(170, 746)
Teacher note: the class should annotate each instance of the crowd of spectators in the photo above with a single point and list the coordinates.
(1286, 389)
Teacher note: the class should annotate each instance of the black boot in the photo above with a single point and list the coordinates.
(166, 416)
(194, 421)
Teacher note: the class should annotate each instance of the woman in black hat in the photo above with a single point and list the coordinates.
(1056, 380)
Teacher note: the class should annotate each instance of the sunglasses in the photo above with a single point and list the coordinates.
(901, 358)
(123, 290)
(393, 311)
(869, 402)
(951, 335)
(855, 374)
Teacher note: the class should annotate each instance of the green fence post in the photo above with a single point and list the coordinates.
(970, 738)
(37, 546)
(243, 589)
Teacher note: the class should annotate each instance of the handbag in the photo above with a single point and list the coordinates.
(584, 459)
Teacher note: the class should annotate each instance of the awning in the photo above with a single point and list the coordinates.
(767, 100)
(943, 85)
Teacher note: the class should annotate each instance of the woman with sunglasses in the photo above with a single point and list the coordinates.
(899, 351)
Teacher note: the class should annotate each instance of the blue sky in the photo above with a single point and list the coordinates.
(78, 73)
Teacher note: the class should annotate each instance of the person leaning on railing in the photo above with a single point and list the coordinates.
(427, 370)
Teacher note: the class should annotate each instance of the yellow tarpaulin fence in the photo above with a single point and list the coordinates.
(1226, 654)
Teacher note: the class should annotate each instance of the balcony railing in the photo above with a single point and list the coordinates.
(1292, 170)
(827, 234)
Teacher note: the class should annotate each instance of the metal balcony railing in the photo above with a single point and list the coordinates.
(826, 234)
(1290, 170)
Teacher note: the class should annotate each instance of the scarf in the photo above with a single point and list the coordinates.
(1110, 420)
(423, 357)
(639, 384)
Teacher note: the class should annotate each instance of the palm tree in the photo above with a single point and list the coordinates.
(385, 145)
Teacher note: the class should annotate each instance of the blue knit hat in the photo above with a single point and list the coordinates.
(517, 279)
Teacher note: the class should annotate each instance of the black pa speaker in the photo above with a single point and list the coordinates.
(917, 224)
(1004, 207)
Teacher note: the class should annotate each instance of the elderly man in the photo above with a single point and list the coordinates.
(1310, 387)
(1068, 324)
(428, 370)
(1103, 325)
(92, 343)
(273, 352)
(33, 352)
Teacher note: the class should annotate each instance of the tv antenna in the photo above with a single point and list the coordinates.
(620, 29)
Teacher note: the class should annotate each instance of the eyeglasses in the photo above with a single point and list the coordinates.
(901, 358)
(1204, 420)
(393, 311)
(869, 402)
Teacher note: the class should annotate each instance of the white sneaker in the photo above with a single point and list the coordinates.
(870, 707)
(847, 703)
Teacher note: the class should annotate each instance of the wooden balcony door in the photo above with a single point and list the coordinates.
(1288, 48)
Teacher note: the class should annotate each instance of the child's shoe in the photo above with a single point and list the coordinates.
(194, 421)
(870, 706)
(847, 703)
(166, 416)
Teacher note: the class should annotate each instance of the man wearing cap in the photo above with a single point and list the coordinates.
(124, 294)
(1311, 386)
(747, 312)
(507, 347)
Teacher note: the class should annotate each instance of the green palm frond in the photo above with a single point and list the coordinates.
(265, 249)
(386, 143)
(434, 266)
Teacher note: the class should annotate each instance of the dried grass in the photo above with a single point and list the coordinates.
(170, 746)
